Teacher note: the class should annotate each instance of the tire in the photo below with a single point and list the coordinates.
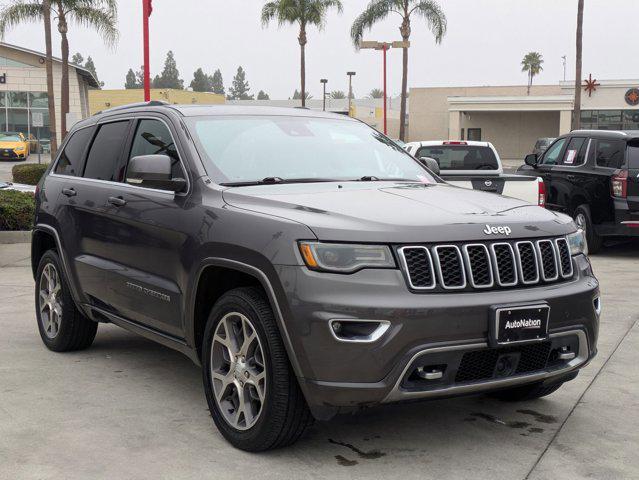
(583, 219)
(68, 329)
(282, 414)
(526, 392)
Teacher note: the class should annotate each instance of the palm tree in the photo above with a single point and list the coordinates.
(303, 13)
(576, 116)
(101, 15)
(376, 93)
(532, 64)
(378, 10)
(30, 11)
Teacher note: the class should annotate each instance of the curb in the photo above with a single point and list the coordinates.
(20, 236)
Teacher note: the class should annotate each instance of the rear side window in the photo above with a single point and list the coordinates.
(575, 152)
(70, 161)
(103, 159)
(461, 157)
(610, 153)
(633, 155)
(153, 137)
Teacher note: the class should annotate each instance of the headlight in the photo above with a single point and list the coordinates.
(19, 148)
(577, 243)
(345, 257)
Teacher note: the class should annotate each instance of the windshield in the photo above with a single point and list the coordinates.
(9, 138)
(241, 149)
(461, 157)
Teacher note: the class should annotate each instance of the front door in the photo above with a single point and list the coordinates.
(545, 170)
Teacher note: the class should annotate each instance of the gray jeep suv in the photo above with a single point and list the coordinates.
(306, 262)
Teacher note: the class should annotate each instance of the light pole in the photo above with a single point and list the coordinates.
(384, 47)
(564, 62)
(324, 81)
(350, 91)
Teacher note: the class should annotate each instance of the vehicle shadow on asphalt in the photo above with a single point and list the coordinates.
(619, 248)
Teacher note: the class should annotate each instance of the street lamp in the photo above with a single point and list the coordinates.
(350, 91)
(384, 47)
(324, 81)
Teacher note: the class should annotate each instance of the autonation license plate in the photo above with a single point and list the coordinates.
(520, 324)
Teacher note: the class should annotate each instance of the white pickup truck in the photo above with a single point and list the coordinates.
(477, 166)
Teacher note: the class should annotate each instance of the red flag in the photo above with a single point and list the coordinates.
(149, 6)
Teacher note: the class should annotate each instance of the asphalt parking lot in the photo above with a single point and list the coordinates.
(6, 166)
(128, 408)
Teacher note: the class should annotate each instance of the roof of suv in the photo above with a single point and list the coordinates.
(608, 133)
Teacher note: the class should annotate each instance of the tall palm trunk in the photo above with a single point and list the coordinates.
(64, 97)
(405, 32)
(576, 117)
(303, 40)
(46, 13)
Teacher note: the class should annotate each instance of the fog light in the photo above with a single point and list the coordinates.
(337, 327)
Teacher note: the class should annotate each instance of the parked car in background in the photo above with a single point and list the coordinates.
(17, 186)
(13, 146)
(593, 176)
(542, 144)
(477, 166)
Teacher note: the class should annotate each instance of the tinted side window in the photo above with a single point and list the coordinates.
(552, 154)
(633, 155)
(102, 162)
(70, 161)
(152, 137)
(575, 152)
(610, 153)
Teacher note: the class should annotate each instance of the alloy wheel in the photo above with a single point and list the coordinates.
(238, 371)
(50, 301)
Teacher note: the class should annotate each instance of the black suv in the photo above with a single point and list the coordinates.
(307, 262)
(593, 176)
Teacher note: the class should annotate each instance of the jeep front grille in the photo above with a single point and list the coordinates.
(485, 265)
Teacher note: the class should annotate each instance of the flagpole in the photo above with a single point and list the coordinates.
(146, 12)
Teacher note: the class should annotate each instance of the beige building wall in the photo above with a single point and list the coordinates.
(104, 99)
(34, 79)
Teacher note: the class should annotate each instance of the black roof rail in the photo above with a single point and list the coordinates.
(152, 103)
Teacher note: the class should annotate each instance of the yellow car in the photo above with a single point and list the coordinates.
(13, 146)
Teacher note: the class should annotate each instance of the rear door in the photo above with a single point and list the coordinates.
(633, 178)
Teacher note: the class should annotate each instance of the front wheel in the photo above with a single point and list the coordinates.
(252, 393)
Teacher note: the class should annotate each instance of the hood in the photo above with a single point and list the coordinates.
(11, 145)
(399, 212)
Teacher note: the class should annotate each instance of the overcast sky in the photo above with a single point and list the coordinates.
(484, 45)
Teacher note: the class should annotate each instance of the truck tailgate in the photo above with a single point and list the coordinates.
(517, 186)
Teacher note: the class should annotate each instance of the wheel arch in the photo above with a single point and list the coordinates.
(238, 274)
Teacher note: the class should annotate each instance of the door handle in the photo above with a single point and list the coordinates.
(572, 178)
(69, 192)
(117, 201)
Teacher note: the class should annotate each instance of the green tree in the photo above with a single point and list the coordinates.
(376, 93)
(218, 83)
(378, 10)
(303, 13)
(201, 81)
(90, 66)
(298, 96)
(262, 95)
(240, 87)
(531, 64)
(100, 15)
(170, 76)
(337, 95)
(26, 11)
(134, 79)
(78, 59)
(576, 116)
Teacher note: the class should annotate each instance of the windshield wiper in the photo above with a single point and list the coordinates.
(373, 178)
(278, 180)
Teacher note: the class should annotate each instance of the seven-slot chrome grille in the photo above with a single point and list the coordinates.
(485, 265)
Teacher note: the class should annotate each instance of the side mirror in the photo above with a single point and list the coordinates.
(431, 164)
(153, 171)
(531, 159)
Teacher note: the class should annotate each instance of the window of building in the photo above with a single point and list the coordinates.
(16, 112)
(474, 134)
(8, 62)
(610, 119)
(610, 153)
(70, 160)
(103, 159)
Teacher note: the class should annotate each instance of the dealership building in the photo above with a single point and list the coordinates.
(513, 120)
(23, 92)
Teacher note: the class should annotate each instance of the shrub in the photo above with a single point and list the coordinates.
(28, 173)
(17, 210)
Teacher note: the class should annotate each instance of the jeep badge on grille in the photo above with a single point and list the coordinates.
(497, 230)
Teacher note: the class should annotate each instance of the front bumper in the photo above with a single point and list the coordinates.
(9, 154)
(345, 374)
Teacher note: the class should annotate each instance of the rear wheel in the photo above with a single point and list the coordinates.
(526, 392)
(583, 219)
(62, 326)
(252, 393)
